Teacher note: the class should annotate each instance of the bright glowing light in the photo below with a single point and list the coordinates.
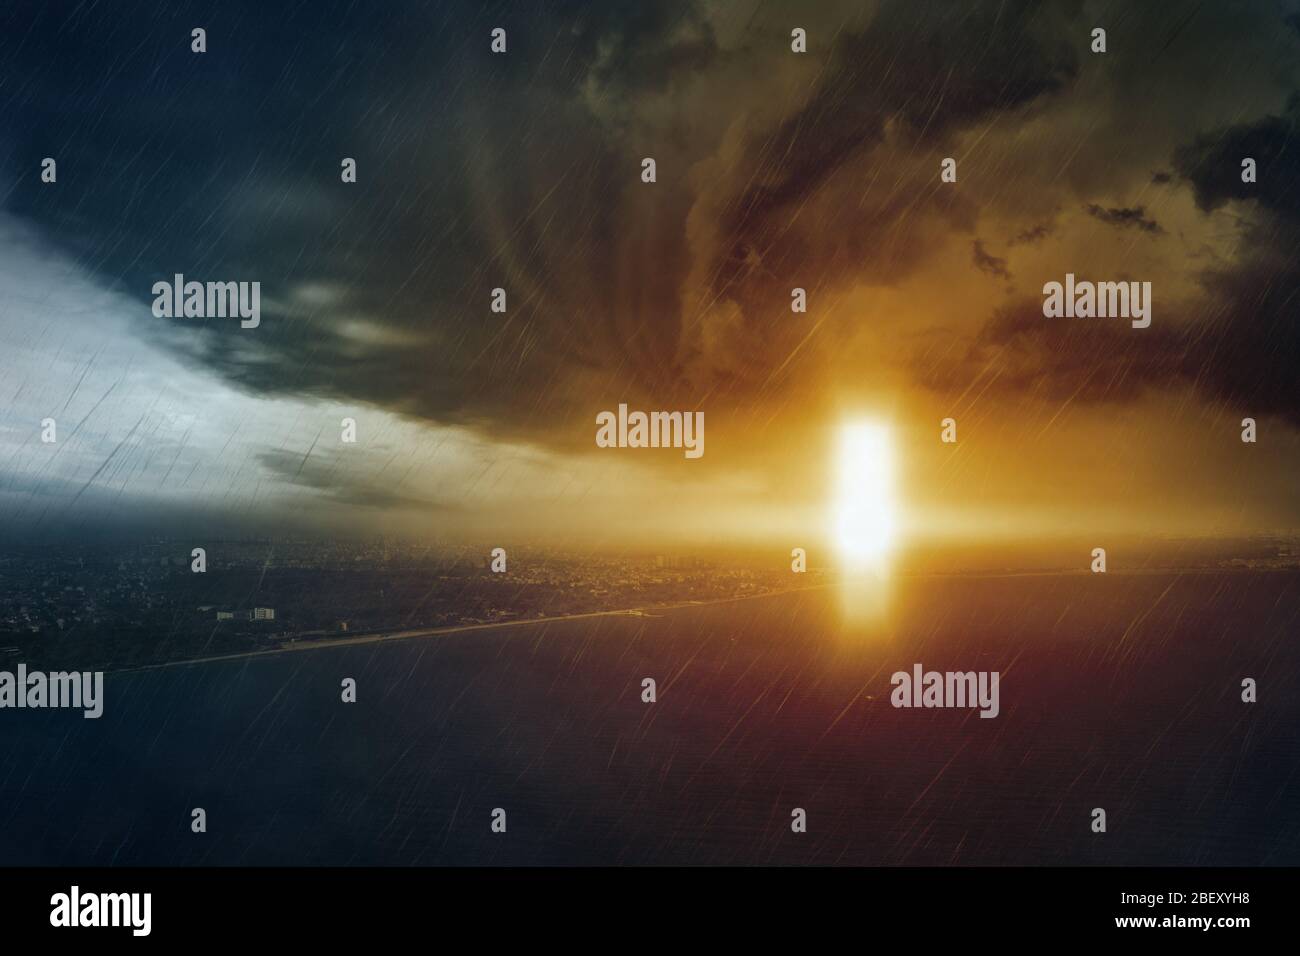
(864, 518)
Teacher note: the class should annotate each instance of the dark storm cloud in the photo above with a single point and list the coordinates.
(1226, 357)
(1249, 347)
(477, 171)
(1213, 164)
(1125, 217)
(919, 73)
(1239, 346)
(474, 172)
(1018, 352)
(914, 65)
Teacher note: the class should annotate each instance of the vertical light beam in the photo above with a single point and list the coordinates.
(864, 518)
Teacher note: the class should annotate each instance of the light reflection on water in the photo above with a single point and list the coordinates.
(760, 709)
(865, 592)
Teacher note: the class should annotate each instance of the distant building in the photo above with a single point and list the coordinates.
(225, 615)
(262, 614)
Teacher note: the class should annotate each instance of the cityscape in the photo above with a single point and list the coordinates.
(122, 607)
(129, 605)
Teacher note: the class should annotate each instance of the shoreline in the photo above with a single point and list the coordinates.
(448, 629)
(427, 632)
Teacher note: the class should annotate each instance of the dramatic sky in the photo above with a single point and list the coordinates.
(775, 170)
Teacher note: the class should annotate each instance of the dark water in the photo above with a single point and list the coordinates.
(1120, 692)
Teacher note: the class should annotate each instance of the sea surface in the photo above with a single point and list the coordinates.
(1119, 692)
